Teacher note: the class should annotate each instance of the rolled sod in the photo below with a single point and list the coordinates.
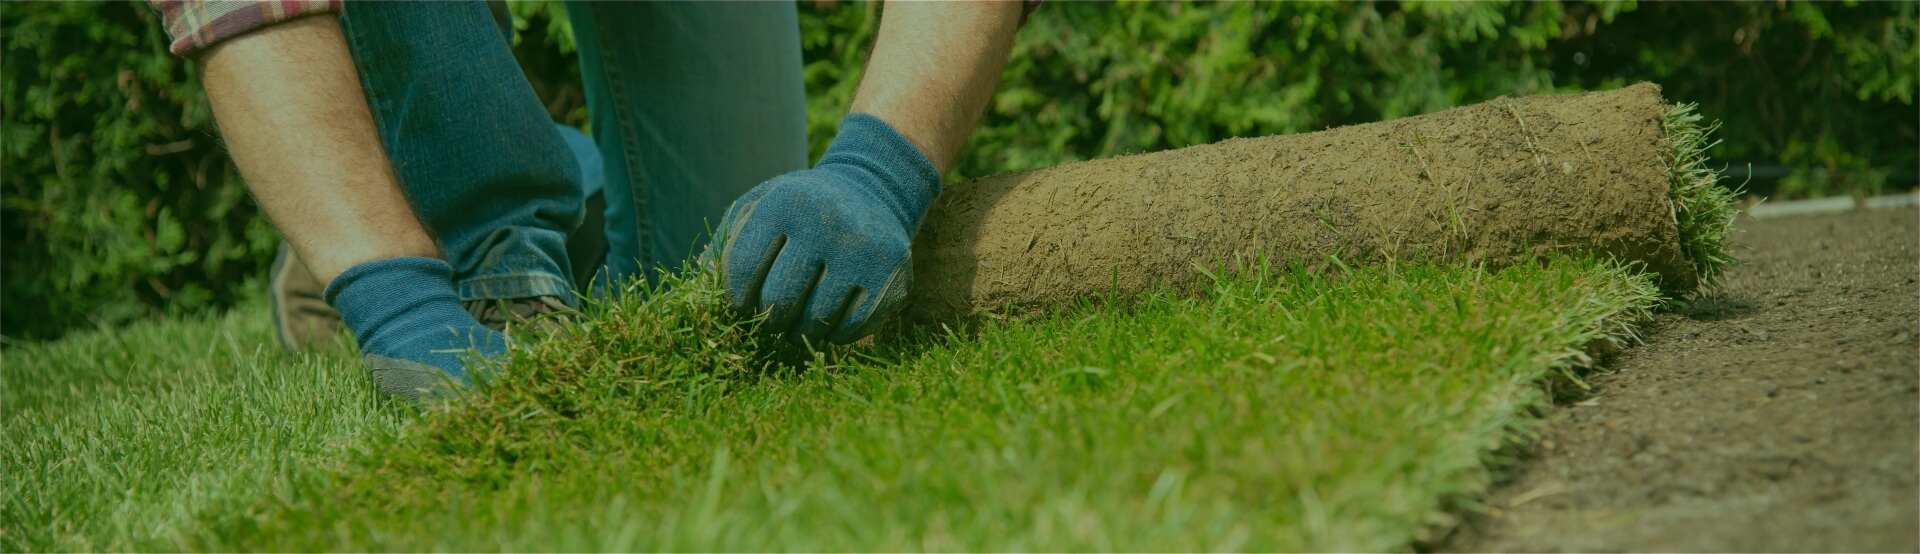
(1617, 174)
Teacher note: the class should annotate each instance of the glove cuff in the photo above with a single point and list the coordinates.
(372, 295)
(870, 146)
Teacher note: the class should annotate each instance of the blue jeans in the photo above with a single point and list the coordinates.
(691, 105)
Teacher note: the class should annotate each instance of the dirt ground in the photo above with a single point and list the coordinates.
(1780, 416)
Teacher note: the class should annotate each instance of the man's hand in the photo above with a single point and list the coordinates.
(825, 252)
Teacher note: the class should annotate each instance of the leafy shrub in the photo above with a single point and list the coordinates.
(119, 200)
(1824, 87)
(1821, 85)
(1093, 80)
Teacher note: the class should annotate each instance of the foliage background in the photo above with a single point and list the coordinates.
(119, 201)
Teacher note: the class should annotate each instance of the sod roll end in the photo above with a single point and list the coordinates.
(1617, 174)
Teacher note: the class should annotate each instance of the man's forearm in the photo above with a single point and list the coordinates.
(934, 68)
(289, 104)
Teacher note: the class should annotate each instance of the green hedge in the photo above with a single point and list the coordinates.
(1822, 85)
(118, 201)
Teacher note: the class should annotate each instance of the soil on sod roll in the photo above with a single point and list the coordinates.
(1778, 415)
(1498, 182)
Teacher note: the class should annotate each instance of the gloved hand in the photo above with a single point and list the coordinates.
(826, 251)
(412, 332)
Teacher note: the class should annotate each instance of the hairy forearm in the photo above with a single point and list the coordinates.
(934, 68)
(289, 105)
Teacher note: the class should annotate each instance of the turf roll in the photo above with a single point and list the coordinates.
(1618, 174)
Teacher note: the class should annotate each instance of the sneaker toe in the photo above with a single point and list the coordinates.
(411, 381)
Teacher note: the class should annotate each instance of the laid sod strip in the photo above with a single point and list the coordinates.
(1619, 174)
(1291, 411)
(118, 440)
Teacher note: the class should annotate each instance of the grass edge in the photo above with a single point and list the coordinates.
(1703, 211)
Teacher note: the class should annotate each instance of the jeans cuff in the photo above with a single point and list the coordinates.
(515, 285)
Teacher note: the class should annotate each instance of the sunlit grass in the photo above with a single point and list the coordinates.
(1282, 411)
(121, 440)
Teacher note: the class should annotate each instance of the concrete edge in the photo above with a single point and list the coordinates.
(1831, 205)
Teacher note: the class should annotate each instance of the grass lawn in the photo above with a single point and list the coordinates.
(119, 440)
(1281, 411)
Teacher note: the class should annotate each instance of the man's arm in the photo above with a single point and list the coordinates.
(289, 103)
(296, 122)
(934, 69)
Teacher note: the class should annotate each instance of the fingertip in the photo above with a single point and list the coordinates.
(853, 317)
(746, 282)
(788, 287)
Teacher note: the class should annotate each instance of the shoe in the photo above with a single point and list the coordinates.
(302, 320)
(410, 381)
(514, 316)
(413, 332)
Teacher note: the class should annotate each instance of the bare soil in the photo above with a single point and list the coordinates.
(1497, 182)
(1778, 415)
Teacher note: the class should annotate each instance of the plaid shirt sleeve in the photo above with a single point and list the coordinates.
(197, 24)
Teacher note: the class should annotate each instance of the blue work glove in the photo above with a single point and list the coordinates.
(412, 332)
(825, 252)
